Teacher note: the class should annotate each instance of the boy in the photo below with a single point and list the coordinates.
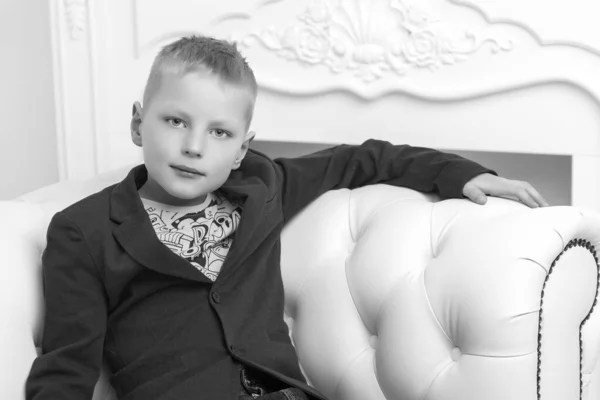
(172, 276)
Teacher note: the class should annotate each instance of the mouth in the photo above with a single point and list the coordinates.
(189, 170)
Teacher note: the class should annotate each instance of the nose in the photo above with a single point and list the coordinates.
(194, 144)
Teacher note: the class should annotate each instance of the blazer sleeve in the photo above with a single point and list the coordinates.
(306, 178)
(75, 318)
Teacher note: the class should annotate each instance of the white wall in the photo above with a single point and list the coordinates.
(28, 153)
(549, 174)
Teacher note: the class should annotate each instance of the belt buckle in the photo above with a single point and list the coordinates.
(251, 386)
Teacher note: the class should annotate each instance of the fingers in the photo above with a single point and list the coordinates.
(521, 191)
(536, 196)
(524, 197)
(476, 195)
(529, 196)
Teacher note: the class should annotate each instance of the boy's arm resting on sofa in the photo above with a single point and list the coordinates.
(75, 318)
(345, 166)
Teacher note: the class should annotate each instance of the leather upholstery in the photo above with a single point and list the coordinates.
(390, 294)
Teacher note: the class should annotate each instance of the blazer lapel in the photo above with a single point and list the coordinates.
(252, 192)
(136, 234)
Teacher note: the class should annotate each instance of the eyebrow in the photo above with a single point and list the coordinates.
(179, 113)
(219, 122)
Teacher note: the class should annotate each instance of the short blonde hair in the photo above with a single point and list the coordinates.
(194, 53)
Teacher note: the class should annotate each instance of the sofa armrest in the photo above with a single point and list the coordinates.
(21, 302)
(518, 286)
(398, 295)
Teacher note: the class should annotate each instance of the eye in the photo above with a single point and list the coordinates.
(175, 122)
(220, 133)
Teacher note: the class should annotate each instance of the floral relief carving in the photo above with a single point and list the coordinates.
(75, 13)
(369, 38)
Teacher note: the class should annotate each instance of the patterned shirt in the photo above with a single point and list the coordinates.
(201, 234)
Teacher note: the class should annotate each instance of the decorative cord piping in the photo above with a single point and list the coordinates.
(592, 250)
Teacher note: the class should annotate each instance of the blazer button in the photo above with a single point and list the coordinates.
(215, 296)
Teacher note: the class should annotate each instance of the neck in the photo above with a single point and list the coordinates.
(154, 192)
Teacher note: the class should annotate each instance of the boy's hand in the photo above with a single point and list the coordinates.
(477, 188)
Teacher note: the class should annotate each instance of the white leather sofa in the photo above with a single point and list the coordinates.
(390, 294)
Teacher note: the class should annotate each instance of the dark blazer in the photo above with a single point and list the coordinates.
(113, 291)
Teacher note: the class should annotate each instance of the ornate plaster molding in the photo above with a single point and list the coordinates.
(75, 11)
(371, 39)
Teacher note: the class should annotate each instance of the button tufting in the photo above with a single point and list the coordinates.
(373, 341)
(455, 354)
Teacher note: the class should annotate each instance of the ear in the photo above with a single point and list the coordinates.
(136, 121)
(243, 150)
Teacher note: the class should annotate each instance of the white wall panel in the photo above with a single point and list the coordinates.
(28, 151)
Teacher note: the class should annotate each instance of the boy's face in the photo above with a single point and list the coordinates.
(193, 122)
